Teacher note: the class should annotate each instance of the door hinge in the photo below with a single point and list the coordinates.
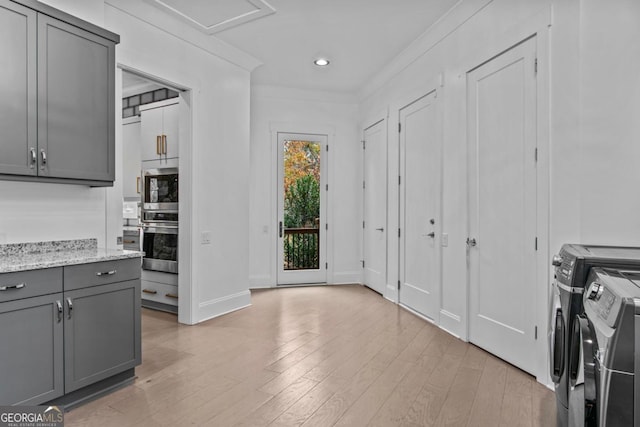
(535, 66)
(399, 180)
(362, 263)
(536, 244)
(326, 187)
(398, 284)
(399, 127)
(363, 185)
(327, 147)
(326, 226)
(362, 224)
(364, 145)
(535, 154)
(535, 333)
(326, 265)
(398, 232)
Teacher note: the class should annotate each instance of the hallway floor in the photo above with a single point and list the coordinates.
(317, 356)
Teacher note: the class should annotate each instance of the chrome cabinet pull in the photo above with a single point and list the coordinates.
(60, 310)
(11, 287)
(43, 155)
(70, 305)
(106, 273)
(380, 229)
(34, 157)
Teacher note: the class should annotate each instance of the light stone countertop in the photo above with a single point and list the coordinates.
(38, 255)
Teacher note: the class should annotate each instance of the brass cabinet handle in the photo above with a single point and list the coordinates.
(174, 296)
(158, 149)
(164, 144)
(10, 287)
(150, 291)
(129, 241)
(138, 184)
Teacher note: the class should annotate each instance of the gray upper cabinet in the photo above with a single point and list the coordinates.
(76, 87)
(57, 114)
(18, 120)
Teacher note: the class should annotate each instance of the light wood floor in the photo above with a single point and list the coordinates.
(317, 356)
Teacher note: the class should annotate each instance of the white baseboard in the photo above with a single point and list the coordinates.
(391, 293)
(347, 278)
(451, 323)
(213, 308)
(259, 281)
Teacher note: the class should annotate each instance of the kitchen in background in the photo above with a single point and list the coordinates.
(150, 186)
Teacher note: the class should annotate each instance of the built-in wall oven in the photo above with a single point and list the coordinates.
(160, 223)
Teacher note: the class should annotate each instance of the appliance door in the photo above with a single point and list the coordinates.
(582, 375)
(556, 337)
(160, 189)
(160, 246)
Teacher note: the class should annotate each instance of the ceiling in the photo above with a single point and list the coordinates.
(358, 36)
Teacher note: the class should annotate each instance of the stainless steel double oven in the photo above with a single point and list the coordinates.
(160, 198)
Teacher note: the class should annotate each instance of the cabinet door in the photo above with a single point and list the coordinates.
(131, 184)
(101, 332)
(151, 133)
(76, 108)
(18, 124)
(170, 130)
(31, 353)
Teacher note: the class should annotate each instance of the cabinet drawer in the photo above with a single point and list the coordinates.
(25, 284)
(160, 292)
(101, 273)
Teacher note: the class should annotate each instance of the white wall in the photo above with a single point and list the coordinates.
(306, 111)
(590, 63)
(214, 164)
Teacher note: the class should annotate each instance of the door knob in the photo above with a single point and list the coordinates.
(380, 229)
(471, 242)
(432, 234)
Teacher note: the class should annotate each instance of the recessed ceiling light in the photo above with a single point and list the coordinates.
(321, 62)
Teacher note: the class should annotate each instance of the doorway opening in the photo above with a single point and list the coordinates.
(156, 146)
(302, 226)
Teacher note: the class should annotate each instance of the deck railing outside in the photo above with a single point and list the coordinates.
(301, 248)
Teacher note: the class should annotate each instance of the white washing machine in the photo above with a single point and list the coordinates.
(604, 368)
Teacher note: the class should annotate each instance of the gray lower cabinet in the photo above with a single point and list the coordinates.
(57, 112)
(31, 354)
(67, 328)
(101, 333)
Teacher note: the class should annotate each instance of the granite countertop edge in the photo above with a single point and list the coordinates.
(24, 257)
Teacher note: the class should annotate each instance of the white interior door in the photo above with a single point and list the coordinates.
(502, 203)
(420, 184)
(375, 207)
(302, 223)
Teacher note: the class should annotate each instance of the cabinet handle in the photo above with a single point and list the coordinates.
(158, 139)
(34, 157)
(149, 291)
(106, 273)
(174, 296)
(164, 144)
(43, 155)
(129, 241)
(70, 305)
(59, 306)
(138, 184)
(10, 287)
